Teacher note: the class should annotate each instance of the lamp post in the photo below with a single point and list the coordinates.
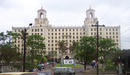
(24, 53)
(97, 49)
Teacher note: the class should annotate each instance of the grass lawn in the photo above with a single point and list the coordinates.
(69, 65)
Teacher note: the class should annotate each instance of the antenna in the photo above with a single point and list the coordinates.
(41, 3)
(89, 6)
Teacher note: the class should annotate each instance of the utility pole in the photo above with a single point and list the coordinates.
(24, 55)
(97, 48)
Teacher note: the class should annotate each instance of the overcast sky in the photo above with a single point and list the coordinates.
(19, 13)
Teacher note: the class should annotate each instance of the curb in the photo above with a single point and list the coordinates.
(99, 72)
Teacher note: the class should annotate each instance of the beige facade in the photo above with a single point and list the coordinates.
(69, 34)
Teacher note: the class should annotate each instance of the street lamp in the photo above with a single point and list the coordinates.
(24, 54)
(24, 40)
(97, 48)
(97, 43)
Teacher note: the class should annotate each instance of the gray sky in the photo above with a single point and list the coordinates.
(19, 13)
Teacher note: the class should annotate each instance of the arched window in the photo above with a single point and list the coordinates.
(91, 15)
(41, 15)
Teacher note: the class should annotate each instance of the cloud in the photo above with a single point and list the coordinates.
(20, 13)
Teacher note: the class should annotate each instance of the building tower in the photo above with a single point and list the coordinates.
(41, 19)
(90, 18)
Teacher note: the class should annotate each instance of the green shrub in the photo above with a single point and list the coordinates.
(110, 67)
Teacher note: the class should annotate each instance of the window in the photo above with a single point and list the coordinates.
(100, 29)
(73, 37)
(80, 33)
(110, 37)
(116, 33)
(91, 29)
(77, 37)
(110, 33)
(113, 29)
(55, 37)
(100, 33)
(19, 30)
(113, 33)
(113, 36)
(116, 40)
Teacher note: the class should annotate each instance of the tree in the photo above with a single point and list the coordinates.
(36, 45)
(62, 49)
(106, 48)
(86, 49)
(52, 54)
(8, 52)
(73, 47)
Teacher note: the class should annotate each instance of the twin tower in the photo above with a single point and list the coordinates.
(42, 20)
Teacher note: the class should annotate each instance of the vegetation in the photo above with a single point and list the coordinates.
(86, 50)
(8, 52)
(36, 46)
(70, 65)
(52, 55)
(62, 49)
